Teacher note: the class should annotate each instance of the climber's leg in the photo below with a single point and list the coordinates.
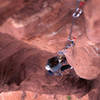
(50, 73)
(66, 67)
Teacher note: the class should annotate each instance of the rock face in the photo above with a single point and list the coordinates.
(20, 95)
(36, 20)
(85, 56)
(31, 31)
(19, 70)
(8, 8)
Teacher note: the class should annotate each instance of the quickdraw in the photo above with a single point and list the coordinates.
(77, 13)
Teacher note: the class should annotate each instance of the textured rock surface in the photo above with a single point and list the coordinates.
(8, 8)
(31, 21)
(85, 56)
(33, 28)
(19, 70)
(27, 95)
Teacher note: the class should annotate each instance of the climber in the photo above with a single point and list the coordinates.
(56, 65)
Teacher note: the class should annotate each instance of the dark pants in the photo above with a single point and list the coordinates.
(65, 67)
(50, 73)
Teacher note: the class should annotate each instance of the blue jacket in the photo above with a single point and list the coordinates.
(56, 68)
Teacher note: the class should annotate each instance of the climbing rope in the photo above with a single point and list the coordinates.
(75, 15)
(71, 30)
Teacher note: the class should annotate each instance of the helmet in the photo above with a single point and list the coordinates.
(47, 67)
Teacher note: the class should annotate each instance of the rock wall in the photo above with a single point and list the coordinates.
(33, 31)
(8, 8)
(85, 56)
(22, 68)
(38, 18)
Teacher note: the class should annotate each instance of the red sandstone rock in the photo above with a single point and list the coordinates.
(85, 56)
(22, 68)
(28, 23)
(18, 61)
(8, 8)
